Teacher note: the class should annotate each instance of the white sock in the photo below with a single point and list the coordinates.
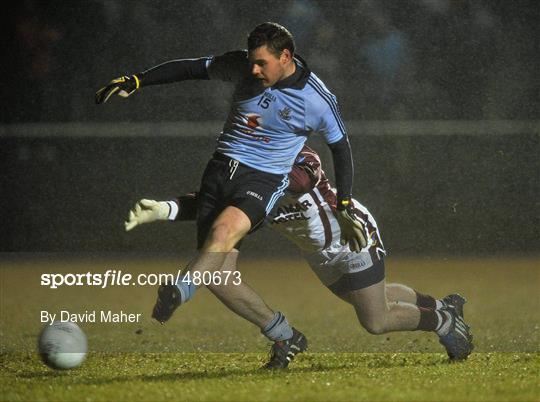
(278, 329)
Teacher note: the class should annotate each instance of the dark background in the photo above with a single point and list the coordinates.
(440, 99)
(417, 59)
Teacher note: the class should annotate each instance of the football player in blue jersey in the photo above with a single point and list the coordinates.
(277, 103)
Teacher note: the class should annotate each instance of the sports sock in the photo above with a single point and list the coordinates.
(433, 320)
(278, 329)
(187, 289)
(425, 301)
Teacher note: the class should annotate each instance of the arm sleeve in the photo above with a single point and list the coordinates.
(343, 167)
(326, 120)
(187, 207)
(176, 70)
(232, 66)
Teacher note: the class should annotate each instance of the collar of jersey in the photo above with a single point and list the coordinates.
(298, 79)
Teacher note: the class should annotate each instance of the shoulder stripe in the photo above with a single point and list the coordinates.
(330, 101)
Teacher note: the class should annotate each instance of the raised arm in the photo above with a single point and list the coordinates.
(231, 66)
(165, 73)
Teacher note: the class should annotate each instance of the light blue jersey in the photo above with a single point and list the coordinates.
(267, 127)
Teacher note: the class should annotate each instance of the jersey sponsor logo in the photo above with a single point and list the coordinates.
(285, 113)
(296, 216)
(253, 121)
(296, 207)
(254, 194)
(292, 212)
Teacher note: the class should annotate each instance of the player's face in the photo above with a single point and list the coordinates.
(268, 67)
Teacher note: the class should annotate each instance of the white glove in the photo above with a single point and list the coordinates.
(352, 228)
(146, 211)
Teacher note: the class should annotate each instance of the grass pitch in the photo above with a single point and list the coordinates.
(205, 353)
(314, 377)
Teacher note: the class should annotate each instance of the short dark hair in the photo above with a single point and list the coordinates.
(274, 36)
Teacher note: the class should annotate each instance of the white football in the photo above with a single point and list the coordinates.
(62, 345)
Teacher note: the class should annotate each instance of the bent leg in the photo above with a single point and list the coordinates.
(241, 298)
(227, 230)
(379, 316)
(398, 292)
(218, 251)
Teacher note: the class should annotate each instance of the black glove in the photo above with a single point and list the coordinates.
(122, 86)
(352, 228)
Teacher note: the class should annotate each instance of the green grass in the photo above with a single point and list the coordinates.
(206, 353)
(314, 377)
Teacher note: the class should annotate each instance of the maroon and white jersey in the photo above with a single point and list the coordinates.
(306, 215)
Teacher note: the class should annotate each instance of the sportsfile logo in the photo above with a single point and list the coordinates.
(113, 277)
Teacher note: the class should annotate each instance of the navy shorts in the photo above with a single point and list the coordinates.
(359, 280)
(227, 182)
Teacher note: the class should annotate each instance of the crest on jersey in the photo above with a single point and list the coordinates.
(285, 113)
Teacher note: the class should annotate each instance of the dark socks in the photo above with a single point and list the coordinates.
(433, 320)
(425, 301)
(429, 320)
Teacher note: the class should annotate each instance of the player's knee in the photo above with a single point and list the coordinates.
(391, 291)
(374, 326)
(221, 238)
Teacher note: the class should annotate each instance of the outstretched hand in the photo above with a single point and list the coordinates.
(146, 211)
(122, 86)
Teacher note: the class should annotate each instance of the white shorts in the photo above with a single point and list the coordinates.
(331, 264)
